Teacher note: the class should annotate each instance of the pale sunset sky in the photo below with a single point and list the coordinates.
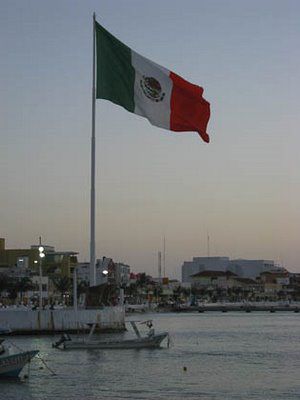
(243, 189)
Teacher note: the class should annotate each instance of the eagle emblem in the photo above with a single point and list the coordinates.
(152, 88)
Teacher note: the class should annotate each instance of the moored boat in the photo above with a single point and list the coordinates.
(151, 340)
(12, 364)
(136, 343)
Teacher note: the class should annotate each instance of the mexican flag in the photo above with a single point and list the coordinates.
(148, 89)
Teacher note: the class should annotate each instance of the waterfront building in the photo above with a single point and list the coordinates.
(34, 292)
(17, 258)
(16, 272)
(107, 271)
(224, 280)
(174, 284)
(275, 281)
(122, 274)
(294, 286)
(54, 262)
(247, 284)
(243, 268)
(213, 279)
(133, 278)
(199, 264)
(250, 268)
(83, 273)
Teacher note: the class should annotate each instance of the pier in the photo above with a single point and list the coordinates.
(240, 308)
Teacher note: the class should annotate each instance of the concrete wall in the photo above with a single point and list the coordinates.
(50, 321)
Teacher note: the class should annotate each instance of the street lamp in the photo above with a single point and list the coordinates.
(41, 256)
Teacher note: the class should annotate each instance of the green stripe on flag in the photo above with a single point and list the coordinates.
(115, 74)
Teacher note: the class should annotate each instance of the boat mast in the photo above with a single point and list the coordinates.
(208, 247)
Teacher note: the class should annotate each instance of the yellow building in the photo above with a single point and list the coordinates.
(54, 263)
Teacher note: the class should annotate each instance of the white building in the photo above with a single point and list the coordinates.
(106, 272)
(251, 268)
(200, 264)
(83, 272)
(241, 267)
(122, 274)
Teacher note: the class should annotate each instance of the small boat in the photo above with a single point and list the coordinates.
(151, 340)
(11, 364)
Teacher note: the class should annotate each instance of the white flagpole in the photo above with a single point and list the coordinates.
(93, 163)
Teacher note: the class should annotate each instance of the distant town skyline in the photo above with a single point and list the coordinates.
(242, 189)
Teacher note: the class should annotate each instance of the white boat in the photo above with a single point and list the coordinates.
(151, 340)
(12, 364)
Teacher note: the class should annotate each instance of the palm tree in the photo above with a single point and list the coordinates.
(12, 288)
(144, 280)
(62, 284)
(82, 287)
(157, 291)
(4, 282)
(131, 290)
(177, 293)
(23, 285)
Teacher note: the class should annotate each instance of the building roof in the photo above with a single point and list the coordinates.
(208, 273)
(246, 281)
(276, 274)
(62, 253)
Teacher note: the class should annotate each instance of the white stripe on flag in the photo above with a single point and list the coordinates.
(156, 109)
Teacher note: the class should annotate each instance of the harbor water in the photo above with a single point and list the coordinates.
(213, 356)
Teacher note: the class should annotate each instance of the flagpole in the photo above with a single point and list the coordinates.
(93, 169)
(164, 255)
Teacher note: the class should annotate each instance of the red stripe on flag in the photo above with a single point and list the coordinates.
(189, 110)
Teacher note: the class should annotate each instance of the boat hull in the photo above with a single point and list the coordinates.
(11, 365)
(139, 343)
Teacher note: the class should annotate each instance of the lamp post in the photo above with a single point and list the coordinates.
(41, 256)
(105, 273)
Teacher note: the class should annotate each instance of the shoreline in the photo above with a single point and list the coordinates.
(211, 307)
